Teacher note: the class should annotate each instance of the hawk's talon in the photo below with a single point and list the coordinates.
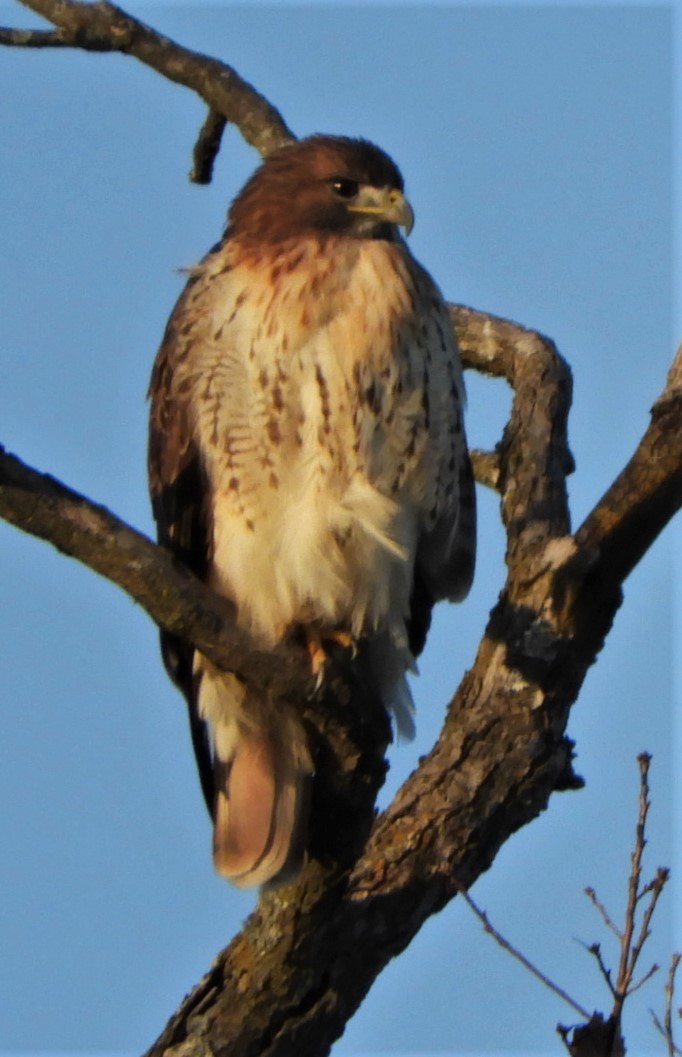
(314, 639)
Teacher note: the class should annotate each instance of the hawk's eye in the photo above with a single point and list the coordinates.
(344, 188)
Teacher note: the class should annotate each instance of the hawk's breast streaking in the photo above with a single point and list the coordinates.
(307, 459)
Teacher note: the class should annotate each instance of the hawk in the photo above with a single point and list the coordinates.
(307, 460)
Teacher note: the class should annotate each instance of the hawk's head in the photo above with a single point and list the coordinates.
(323, 184)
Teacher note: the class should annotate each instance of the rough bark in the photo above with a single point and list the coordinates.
(307, 956)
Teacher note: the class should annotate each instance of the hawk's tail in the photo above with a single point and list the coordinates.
(261, 781)
(260, 811)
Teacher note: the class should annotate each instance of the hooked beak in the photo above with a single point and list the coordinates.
(385, 203)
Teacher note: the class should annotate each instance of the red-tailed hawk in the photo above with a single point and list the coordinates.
(307, 459)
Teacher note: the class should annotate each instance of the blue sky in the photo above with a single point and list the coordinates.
(537, 148)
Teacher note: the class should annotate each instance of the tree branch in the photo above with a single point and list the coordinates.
(206, 147)
(105, 27)
(644, 497)
(174, 598)
(521, 957)
(33, 38)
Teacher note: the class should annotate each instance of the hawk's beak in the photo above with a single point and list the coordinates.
(385, 203)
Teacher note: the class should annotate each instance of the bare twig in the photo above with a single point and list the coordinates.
(630, 944)
(608, 921)
(599, 1036)
(627, 953)
(643, 979)
(595, 950)
(632, 937)
(654, 890)
(516, 953)
(633, 941)
(666, 1028)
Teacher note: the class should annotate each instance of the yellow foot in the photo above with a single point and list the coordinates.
(318, 655)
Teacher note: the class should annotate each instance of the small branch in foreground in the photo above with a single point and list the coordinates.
(595, 950)
(666, 1028)
(629, 948)
(600, 1036)
(608, 921)
(515, 953)
(632, 938)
